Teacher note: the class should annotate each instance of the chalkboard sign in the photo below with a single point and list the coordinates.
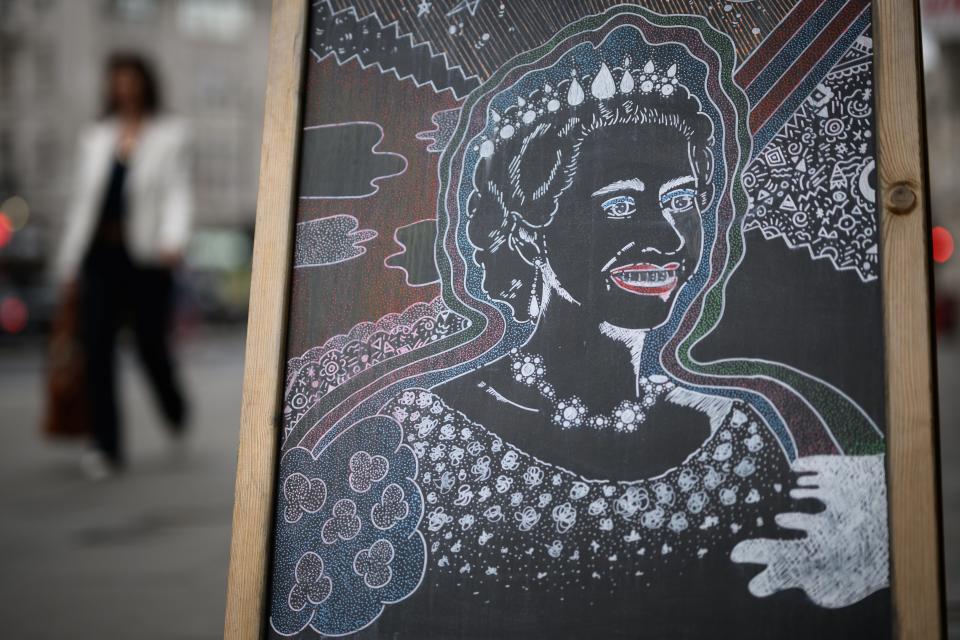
(589, 320)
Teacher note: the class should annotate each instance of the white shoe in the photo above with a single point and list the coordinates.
(96, 466)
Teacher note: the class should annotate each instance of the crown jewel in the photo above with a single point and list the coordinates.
(645, 81)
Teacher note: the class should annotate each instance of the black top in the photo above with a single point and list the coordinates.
(114, 208)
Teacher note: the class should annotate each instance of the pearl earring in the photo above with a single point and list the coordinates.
(534, 306)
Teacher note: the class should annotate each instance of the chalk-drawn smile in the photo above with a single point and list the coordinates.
(645, 279)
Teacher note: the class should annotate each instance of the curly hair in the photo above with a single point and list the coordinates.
(517, 189)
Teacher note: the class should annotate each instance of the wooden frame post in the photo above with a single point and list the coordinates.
(260, 421)
(913, 478)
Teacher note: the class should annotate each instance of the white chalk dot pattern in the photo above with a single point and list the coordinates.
(496, 514)
(302, 495)
(366, 470)
(343, 524)
(373, 564)
(310, 585)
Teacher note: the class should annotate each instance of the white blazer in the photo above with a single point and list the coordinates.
(158, 193)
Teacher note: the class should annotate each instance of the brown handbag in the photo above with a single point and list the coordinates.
(67, 415)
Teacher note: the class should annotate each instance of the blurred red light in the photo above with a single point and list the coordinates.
(13, 314)
(6, 230)
(942, 245)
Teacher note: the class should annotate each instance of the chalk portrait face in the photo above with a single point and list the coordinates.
(597, 203)
(627, 233)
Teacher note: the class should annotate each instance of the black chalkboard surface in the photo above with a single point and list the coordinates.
(585, 333)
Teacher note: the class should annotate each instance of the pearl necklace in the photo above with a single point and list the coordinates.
(571, 412)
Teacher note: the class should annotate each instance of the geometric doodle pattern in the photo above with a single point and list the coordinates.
(467, 30)
(384, 47)
(321, 370)
(814, 184)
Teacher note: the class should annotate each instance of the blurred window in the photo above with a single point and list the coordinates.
(43, 6)
(131, 10)
(8, 76)
(214, 19)
(215, 89)
(7, 178)
(45, 70)
(47, 158)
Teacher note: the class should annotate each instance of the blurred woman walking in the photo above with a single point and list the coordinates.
(126, 232)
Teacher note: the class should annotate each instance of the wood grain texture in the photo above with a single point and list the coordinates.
(266, 330)
(911, 419)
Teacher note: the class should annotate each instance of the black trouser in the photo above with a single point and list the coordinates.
(114, 290)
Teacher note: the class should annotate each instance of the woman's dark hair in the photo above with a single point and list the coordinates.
(517, 188)
(138, 64)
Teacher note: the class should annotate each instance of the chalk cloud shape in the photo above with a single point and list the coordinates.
(342, 161)
(445, 125)
(416, 259)
(391, 509)
(331, 240)
(366, 470)
(373, 564)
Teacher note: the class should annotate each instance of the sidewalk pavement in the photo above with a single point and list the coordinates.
(142, 555)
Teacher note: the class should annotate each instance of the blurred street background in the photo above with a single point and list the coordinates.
(149, 550)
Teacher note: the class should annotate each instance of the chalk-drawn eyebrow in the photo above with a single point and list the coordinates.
(676, 182)
(620, 185)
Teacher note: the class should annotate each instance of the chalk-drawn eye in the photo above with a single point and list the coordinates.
(619, 207)
(678, 200)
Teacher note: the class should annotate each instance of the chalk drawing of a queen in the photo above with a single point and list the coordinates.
(573, 451)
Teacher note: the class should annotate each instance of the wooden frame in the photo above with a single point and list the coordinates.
(913, 474)
(913, 479)
(266, 331)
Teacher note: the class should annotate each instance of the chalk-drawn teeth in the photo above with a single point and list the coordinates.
(647, 276)
(646, 279)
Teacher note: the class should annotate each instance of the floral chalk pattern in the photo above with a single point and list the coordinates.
(391, 509)
(373, 564)
(311, 586)
(302, 495)
(365, 470)
(343, 558)
(343, 525)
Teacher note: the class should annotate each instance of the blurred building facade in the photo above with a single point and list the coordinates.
(941, 44)
(210, 56)
(941, 24)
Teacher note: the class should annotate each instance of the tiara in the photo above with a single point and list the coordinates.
(645, 81)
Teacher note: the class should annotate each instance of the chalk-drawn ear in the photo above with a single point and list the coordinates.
(703, 165)
(525, 242)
